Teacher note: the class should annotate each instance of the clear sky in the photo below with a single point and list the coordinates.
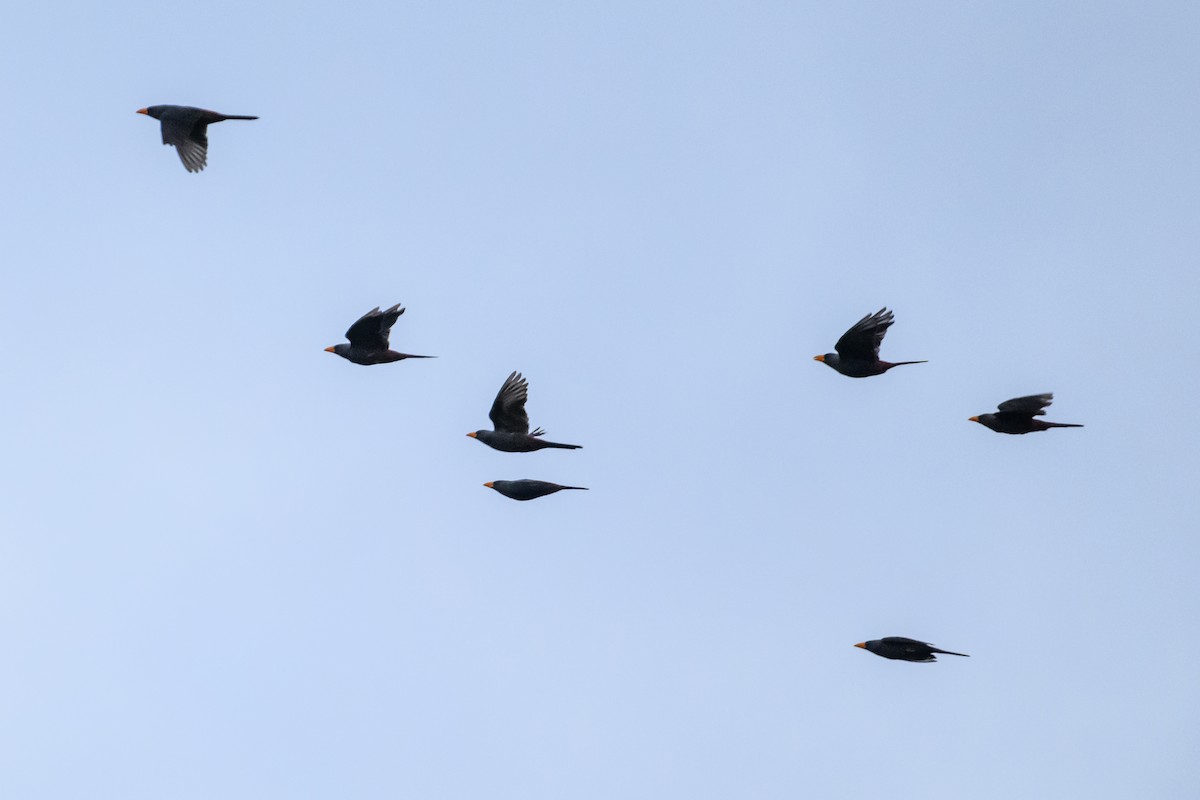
(235, 566)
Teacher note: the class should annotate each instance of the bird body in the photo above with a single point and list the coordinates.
(857, 353)
(528, 489)
(369, 339)
(514, 442)
(1016, 416)
(901, 648)
(511, 422)
(186, 128)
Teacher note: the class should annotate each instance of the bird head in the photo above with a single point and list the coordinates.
(986, 420)
(489, 484)
(339, 349)
(152, 111)
(829, 359)
(863, 645)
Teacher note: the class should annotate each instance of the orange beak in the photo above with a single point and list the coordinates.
(330, 349)
(489, 484)
(863, 645)
(473, 436)
(972, 419)
(142, 111)
(819, 358)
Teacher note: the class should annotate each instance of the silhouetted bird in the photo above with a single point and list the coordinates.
(512, 423)
(857, 353)
(186, 128)
(369, 339)
(527, 489)
(1017, 415)
(905, 649)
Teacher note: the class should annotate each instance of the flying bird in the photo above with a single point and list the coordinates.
(512, 423)
(905, 649)
(186, 128)
(527, 489)
(857, 353)
(1017, 415)
(369, 339)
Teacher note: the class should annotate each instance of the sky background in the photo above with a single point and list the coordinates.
(235, 566)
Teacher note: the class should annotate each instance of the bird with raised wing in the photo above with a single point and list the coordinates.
(369, 339)
(901, 648)
(186, 128)
(511, 422)
(857, 353)
(1016, 416)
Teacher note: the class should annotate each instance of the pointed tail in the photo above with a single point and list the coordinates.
(237, 116)
(949, 652)
(1061, 425)
(584, 488)
(564, 447)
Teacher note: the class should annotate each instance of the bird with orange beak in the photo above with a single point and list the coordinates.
(186, 128)
(901, 648)
(1016, 416)
(511, 421)
(369, 339)
(857, 353)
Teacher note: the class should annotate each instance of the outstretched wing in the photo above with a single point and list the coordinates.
(508, 410)
(862, 341)
(189, 135)
(372, 329)
(1033, 405)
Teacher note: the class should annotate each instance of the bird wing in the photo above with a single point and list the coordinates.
(508, 409)
(190, 138)
(1033, 405)
(372, 329)
(864, 337)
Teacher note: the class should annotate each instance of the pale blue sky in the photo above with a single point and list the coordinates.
(235, 566)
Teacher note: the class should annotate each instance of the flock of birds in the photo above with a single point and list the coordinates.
(856, 356)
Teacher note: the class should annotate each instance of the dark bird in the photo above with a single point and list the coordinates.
(905, 649)
(187, 129)
(512, 423)
(1017, 415)
(369, 339)
(857, 353)
(527, 489)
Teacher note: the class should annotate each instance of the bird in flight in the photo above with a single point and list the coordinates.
(511, 423)
(904, 649)
(187, 129)
(527, 489)
(1016, 416)
(857, 353)
(369, 339)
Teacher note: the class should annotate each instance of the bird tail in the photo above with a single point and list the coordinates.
(564, 447)
(949, 652)
(1062, 425)
(584, 488)
(902, 363)
(238, 116)
(409, 355)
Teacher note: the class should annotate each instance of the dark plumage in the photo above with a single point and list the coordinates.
(905, 649)
(187, 129)
(527, 489)
(512, 423)
(369, 339)
(857, 353)
(1017, 415)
